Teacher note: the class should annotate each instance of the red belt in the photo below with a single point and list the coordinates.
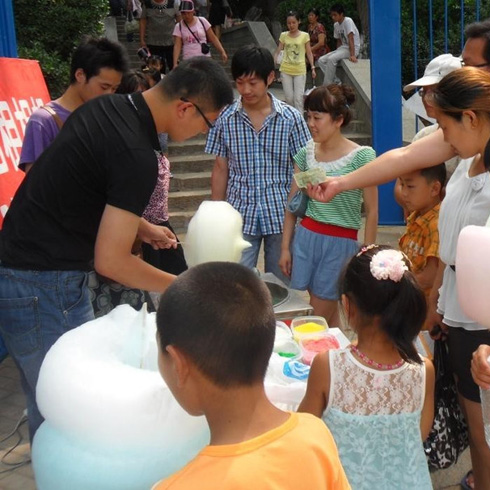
(327, 229)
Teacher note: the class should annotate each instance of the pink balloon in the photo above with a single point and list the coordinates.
(473, 273)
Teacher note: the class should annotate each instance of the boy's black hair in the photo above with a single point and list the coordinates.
(337, 7)
(480, 30)
(436, 173)
(250, 60)
(400, 306)
(93, 54)
(220, 315)
(200, 79)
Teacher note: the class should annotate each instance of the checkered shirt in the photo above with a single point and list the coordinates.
(260, 163)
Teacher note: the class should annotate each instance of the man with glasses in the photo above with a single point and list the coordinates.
(81, 203)
(254, 141)
(476, 51)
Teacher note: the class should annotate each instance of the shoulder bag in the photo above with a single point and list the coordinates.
(205, 49)
(448, 437)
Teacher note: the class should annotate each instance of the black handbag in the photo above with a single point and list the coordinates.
(448, 437)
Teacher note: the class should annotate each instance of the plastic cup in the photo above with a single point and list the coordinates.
(288, 349)
(305, 325)
(315, 343)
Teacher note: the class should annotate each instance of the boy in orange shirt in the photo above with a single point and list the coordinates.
(422, 191)
(216, 331)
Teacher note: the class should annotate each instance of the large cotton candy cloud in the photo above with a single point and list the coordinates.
(473, 272)
(111, 422)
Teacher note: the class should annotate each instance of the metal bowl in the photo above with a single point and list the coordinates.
(279, 293)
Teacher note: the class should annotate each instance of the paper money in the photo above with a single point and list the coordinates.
(313, 176)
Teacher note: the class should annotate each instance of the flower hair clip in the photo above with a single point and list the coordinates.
(365, 248)
(388, 264)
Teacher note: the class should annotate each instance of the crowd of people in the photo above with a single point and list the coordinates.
(296, 46)
(89, 229)
(175, 30)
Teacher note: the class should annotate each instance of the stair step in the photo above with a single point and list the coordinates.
(180, 220)
(187, 200)
(359, 138)
(191, 163)
(192, 146)
(190, 181)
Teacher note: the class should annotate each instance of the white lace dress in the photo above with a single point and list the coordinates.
(374, 417)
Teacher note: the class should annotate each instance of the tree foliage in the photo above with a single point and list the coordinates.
(419, 47)
(48, 30)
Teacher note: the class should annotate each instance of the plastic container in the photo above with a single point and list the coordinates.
(283, 332)
(288, 349)
(485, 407)
(315, 343)
(305, 325)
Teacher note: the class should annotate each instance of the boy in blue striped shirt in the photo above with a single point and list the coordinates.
(254, 140)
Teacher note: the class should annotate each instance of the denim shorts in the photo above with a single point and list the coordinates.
(318, 261)
(36, 308)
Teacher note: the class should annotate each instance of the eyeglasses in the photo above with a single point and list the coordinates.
(424, 91)
(198, 109)
(481, 65)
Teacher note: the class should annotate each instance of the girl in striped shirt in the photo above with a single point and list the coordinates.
(326, 238)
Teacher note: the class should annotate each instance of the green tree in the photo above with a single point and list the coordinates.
(48, 31)
(420, 46)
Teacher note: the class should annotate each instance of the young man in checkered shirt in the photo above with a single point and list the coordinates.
(254, 141)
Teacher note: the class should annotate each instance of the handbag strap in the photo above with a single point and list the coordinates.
(192, 32)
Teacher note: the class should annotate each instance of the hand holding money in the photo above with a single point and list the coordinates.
(313, 176)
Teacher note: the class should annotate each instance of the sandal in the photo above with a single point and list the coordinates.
(467, 482)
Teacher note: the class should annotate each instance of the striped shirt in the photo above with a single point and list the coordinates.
(345, 208)
(260, 163)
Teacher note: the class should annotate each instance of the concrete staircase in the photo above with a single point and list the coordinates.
(191, 182)
(190, 166)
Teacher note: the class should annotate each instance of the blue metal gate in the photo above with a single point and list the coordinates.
(8, 44)
(415, 32)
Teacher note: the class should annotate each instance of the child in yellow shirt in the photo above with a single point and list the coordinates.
(422, 192)
(216, 331)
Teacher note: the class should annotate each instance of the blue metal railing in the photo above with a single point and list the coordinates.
(8, 44)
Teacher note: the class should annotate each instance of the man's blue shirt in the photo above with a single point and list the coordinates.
(260, 163)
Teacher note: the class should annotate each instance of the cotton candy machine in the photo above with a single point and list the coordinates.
(279, 294)
(287, 302)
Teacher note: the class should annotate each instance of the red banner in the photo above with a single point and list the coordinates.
(22, 90)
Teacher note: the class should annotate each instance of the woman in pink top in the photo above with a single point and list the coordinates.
(192, 34)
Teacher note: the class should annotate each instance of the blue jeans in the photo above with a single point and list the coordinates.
(36, 309)
(272, 254)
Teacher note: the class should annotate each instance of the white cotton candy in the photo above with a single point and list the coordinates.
(106, 406)
(214, 234)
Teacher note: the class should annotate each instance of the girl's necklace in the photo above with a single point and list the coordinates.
(377, 365)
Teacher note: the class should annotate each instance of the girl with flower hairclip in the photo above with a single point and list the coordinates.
(377, 397)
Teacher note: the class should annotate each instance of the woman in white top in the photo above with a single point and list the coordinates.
(192, 35)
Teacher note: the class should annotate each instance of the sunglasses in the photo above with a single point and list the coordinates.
(198, 109)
